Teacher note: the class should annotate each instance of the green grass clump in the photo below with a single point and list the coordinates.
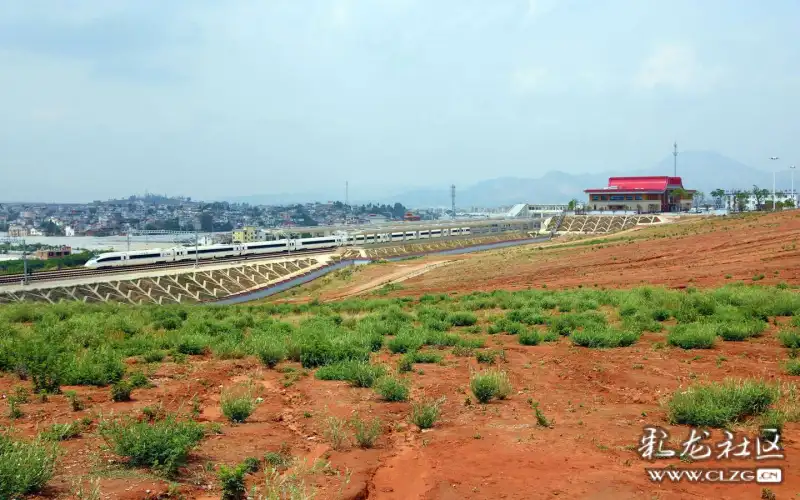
(793, 367)
(162, 445)
(25, 467)
(462, 318)
(485, 357)
(121, 391)
(424, 357)
(603, 337)
(527, 316)
(237, 404)
(693, 336)
(270, 351)
(425, 413)
(503, 325)
(490, 384)
(742, 330)
(790, 338)
(530, 337)
(717, 405)
(405, 341)
(568, 323)
(231, 480)
(392, 389)
(358, 373)
(366, 433)
(62, 432)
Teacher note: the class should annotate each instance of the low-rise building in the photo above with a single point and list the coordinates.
(52, 253)
(641, 194)
(245, 234)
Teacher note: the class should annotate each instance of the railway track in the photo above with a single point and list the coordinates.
(85, 273)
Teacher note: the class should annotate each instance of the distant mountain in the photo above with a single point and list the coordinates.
(701, 170)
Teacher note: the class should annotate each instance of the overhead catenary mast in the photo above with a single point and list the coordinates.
(453, 199)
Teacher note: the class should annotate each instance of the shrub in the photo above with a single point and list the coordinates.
(44, 363)
(405, 364)
(232, 481)
(121, 391)
(693, 336)
(425, 413)
(530, 337)
(490, 384)
(740, 330)
(270, 351)
(603, 337)
(550, 337)
(462, 318)
(358, 373)
(717, 405)
(100, 368)
(25, 467)
(162, 445)
(366, 433)
(392, 389)
(237, 404)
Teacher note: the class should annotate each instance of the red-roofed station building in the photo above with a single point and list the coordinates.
(641, 194)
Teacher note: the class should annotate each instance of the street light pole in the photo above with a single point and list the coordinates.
(773, 185)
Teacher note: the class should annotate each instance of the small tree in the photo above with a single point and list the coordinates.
(698, 198)
(760, 195)
(718, 195)
(741, 200)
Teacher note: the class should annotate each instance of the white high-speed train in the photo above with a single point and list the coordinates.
(177, 254)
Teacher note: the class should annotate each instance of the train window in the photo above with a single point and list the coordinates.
(145, 256)
(109, 259)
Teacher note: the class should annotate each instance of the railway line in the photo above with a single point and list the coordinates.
(85, 273)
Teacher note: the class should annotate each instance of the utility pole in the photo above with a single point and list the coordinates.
(794, 196)
(196, 243)
(675, 159)
(453, 199)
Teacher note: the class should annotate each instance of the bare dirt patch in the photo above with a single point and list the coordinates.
(703, 253)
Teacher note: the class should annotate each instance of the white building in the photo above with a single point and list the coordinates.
(69, 231)
(781, 197)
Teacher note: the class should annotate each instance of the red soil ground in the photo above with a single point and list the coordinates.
(699, 253)
(598, 400)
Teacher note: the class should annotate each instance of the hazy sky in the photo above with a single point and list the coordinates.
(210, 98)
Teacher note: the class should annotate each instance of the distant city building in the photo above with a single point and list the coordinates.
(640, 194)
(17, 231)
(69, 231)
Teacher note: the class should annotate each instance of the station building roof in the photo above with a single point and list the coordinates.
(644, 184)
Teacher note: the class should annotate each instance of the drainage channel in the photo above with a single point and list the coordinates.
(318, 273)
